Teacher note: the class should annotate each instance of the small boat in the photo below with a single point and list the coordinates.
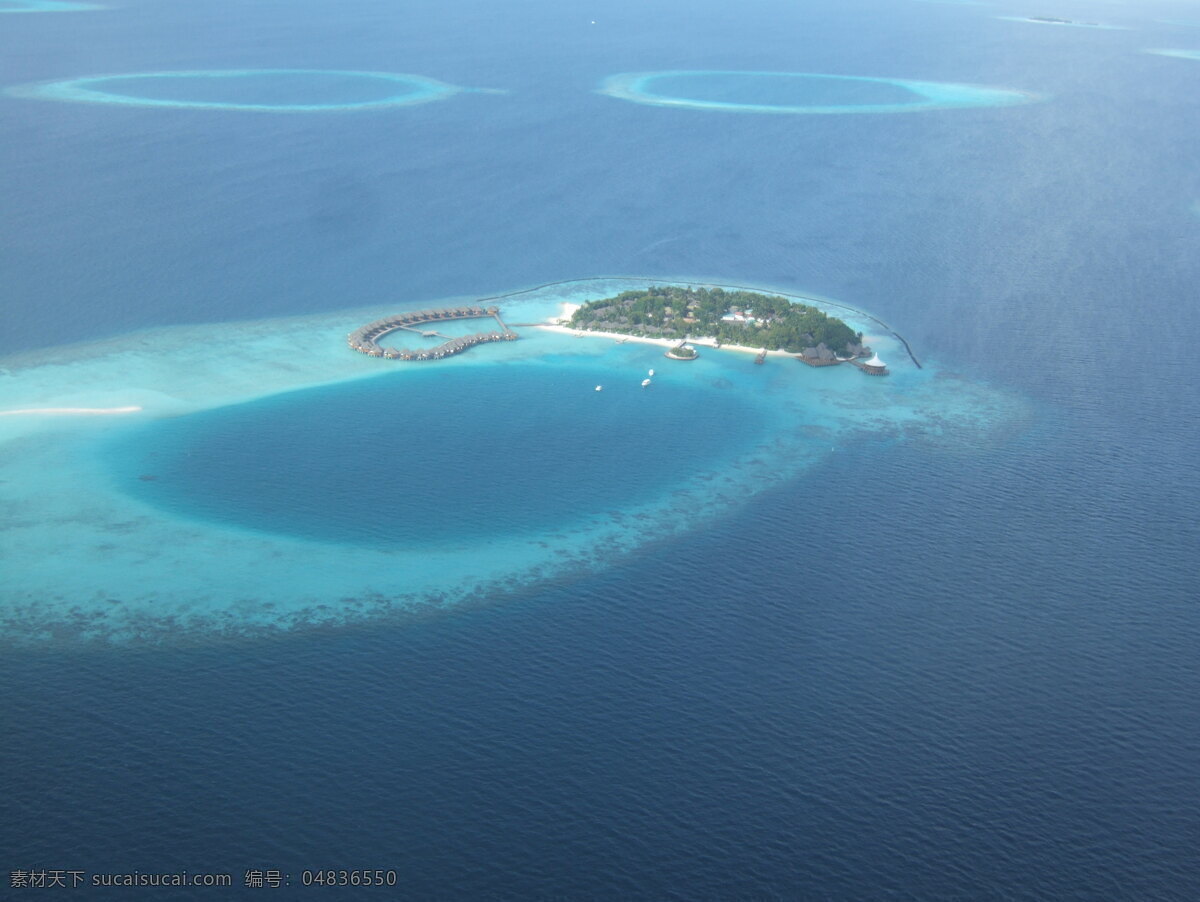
(599, 388)
(652, 372)
(645, 382)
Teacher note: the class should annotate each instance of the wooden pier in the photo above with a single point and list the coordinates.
(366, 340)
(872, 367)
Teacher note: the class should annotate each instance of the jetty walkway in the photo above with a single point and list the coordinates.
(366, 340)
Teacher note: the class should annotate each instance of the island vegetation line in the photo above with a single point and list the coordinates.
(675, 282)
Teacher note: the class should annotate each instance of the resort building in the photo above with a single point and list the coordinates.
(821, 355)
(736, 316)
(874, 366)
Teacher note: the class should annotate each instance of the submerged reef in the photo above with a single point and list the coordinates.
(899, 95)
(377, 90)
(132, 469)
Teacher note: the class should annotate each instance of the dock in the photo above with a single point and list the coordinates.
(872, 367)
(367, 339)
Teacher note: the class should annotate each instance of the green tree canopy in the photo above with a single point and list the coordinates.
(672, 311)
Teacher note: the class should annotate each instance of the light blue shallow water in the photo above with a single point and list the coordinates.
(799, 92)
(45, 6)
(331, 486)
(778, 89)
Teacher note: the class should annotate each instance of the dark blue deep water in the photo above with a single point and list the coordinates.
(985, 690)
(437, 456)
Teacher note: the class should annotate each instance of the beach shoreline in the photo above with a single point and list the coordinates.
(565, 311)
(621, 337)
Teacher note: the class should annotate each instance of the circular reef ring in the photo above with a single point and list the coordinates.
(83, 90)
(927, 95)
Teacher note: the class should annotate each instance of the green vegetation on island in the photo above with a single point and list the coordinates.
(731, 317)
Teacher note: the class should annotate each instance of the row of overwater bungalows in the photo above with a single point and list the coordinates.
(446, 349)
(366, 339)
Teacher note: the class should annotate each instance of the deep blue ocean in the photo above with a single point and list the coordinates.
(976, 674)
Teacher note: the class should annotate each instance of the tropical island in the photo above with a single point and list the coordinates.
(743, 318)
(682, 351)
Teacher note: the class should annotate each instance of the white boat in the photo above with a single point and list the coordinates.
(645, 382)
(599, 388)
(652, 372)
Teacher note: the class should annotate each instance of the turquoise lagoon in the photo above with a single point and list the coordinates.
(273, 479)
(800, 92)
(269, 90)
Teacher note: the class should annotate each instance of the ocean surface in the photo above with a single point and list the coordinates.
(748, 633)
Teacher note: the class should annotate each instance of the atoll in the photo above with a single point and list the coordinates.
(639, 87)
(407, 90)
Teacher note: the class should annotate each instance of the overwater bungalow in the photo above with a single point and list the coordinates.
(874, 366)
(821, 355)
(366, 339)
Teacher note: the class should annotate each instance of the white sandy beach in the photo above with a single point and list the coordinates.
(661, 342)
